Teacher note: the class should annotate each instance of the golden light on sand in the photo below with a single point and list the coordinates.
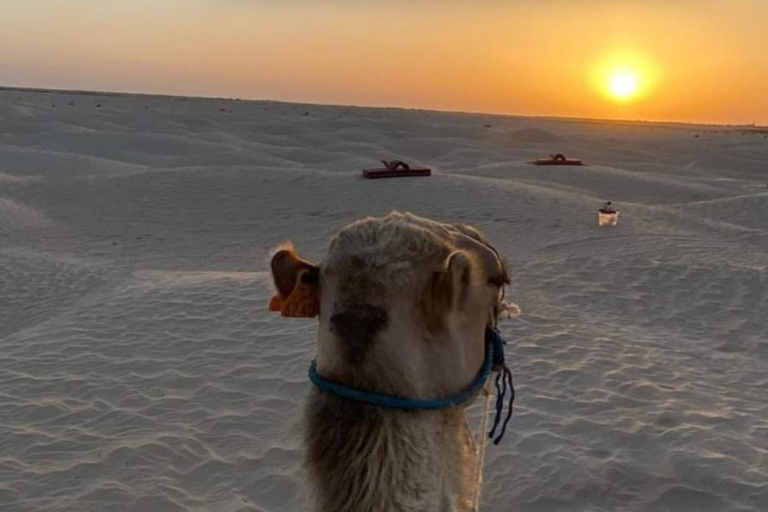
(623, 85)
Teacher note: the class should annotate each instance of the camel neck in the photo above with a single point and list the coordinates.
(363, 457)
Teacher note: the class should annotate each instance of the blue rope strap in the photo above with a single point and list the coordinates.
(494, 361)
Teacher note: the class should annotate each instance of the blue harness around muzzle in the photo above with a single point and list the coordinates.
(494, 361)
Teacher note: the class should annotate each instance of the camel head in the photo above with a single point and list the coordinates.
(403, 303)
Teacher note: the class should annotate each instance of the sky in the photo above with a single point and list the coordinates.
(672, 60)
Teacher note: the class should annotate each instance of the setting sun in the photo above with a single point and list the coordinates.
(623, 85)
(626, 76)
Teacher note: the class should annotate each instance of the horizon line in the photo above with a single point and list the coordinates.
(180, 97)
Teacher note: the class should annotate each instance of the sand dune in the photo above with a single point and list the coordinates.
(140, 370)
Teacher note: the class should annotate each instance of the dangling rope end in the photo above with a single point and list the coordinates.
(503, 384)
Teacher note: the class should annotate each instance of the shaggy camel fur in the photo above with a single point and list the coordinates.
(404, 303)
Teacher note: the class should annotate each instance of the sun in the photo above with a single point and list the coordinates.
(625, 76)
(623, 85)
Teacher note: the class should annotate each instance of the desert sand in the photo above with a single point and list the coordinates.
(141, 371)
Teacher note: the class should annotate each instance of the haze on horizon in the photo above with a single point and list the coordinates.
(655, 60)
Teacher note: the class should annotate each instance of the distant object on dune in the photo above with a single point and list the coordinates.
(607, 215)
(395, 169)
(558, 159)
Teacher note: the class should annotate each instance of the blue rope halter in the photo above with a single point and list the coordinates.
(494, 361)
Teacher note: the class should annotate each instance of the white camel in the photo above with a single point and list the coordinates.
(404, 304)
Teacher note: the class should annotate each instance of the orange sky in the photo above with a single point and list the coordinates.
(701, 61)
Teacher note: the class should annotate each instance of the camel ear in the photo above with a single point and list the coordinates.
(298, 285)
(286, 269)
(446, 290)
(460, 275)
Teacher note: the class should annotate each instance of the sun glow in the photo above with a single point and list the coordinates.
(625, 77)
(623, 85)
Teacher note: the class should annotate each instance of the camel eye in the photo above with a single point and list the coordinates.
(498, 281)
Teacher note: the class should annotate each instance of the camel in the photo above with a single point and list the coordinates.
(404, 303)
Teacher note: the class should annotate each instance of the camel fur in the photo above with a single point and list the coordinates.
(404, 303)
